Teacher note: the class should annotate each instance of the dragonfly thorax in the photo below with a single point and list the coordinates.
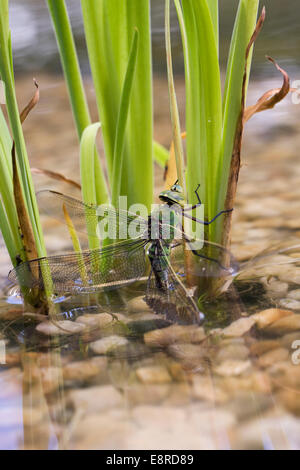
(165, 223)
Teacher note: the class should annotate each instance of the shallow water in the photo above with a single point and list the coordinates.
(134, 380)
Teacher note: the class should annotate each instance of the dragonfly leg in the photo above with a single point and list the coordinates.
(209, 221)
(196, 205)
(196, 253)
(197, 194)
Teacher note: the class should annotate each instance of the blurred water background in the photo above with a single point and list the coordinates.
(35, 48)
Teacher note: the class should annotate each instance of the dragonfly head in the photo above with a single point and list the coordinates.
(173, 195)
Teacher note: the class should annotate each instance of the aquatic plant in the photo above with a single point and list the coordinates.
(118, 39)
(19, 215)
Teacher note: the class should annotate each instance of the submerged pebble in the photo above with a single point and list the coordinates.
(239, 327)
(84, 371)
(232, 368)
(108, 344)
(64, 327)
(174, 334)
(269, 316)
(284, 325)
(273, 357)
(137, 305)
(153, 374)
(95, 320)
(294, 294)
(290, 303)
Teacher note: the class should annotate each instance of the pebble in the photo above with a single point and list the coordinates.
(174, 334)
(248, 404)
(62, 328)
(232, 351)
(286, 374)
(8, 313)
(180, 395)
(290, 399)
(93, 320)
(284, 325)
(261, 347)
(191, 356)
(137, 305)
(204, 388)
(277, 289)
(290, 303)
(239, 327)
(95, 399)
(257, 381)
(269, 316)
(153, 374)
(272, 357)
(109, 344)
(137, 394)
(232, 368)
(84, 371)
(294, 294)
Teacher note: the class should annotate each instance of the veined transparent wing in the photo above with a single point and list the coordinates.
(175, 301)
(211, 259)
(89, 218)
(85, 272)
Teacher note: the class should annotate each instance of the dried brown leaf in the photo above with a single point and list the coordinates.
(55, 176)
(271, 97)
(236, 155)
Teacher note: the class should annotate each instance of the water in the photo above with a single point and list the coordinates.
(35, 47)
(134, 381)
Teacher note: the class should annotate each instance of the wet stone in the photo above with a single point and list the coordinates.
(290, 303)
(272, 357)
(205, 388)
(154, 375)
(232, 368)
(290, 399)
(246, 405)
(137, 305)
(139, 328)
(259, 348)
(84, 371)
(8, 313)
(239, 327)
(232, 351)
(174, 334)
(136, 394)
(269, 316)
(62, 328)
(94, 399)
(286, 374)
(254, 382)
(294, 294)
(100, 320)
(284, 325)
(109, 344)
(277, 289)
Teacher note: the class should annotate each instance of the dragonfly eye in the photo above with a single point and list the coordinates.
(176, 188)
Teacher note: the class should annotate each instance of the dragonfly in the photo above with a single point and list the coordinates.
(116, 264)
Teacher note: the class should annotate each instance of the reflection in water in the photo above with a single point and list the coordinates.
(133, 380)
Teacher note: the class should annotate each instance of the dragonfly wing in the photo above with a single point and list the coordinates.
(212, 259)
(85, 272)
(175, 301)
(88, 218)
